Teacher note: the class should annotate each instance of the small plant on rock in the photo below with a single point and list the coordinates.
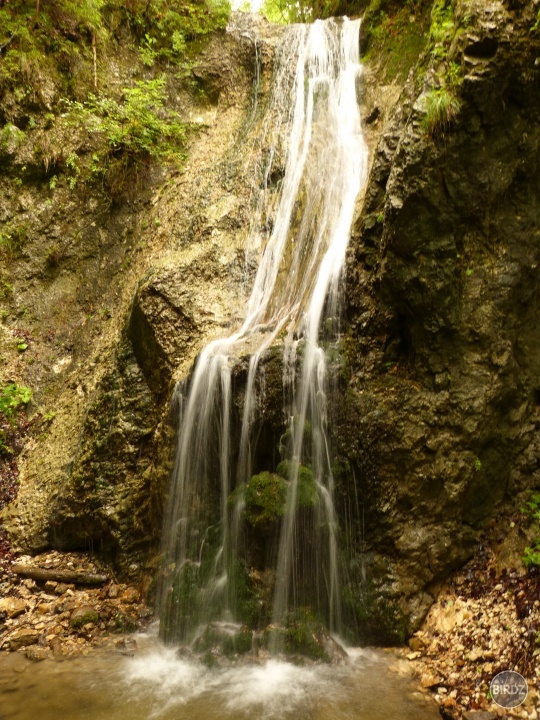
(442, 109)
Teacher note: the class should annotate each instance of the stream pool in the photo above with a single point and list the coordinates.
(154, 683)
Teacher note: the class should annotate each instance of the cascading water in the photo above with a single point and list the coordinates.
(295, 293)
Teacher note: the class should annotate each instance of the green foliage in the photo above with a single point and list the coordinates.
(147, 52)
(139, 125)
(166, 26)
(536, 25)
(12, 237)
(442, 107)
(13, 398)
(6, 289)
(531, 554)
(442, 21)
(532, 507)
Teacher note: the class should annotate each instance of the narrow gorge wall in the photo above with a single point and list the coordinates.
(443, 303)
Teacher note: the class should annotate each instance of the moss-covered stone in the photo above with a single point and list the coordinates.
(306, 489)
(83, 615)
(224, 640)
(265, 496)
(181, 604)
(300, 634)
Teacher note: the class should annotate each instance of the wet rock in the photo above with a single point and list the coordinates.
(428, 681)
(56, 647)
(83, 616)
(12, 607)
(223, 640)
(22, 638)
(37, 654)
(131, 595)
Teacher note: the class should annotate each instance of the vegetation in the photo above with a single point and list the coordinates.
(531, 554)
(13, 398)
(52, 95)
(265, 497)
(306, 490)
(135, 129)
(442, 104)
(442, 108)
(12, 238)
(394, 34)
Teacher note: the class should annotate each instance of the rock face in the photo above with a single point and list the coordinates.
(434, 420)
(95, 477)
(442, 294)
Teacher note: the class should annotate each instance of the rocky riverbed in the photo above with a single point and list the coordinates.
(56, 619)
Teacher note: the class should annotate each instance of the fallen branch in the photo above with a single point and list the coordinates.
(76, 577)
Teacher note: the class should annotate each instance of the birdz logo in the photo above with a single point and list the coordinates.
(509, 689)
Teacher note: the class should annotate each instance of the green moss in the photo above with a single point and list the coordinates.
(265, 497)
(301, 634)
(306, 490)
(125, 623)
(371, 617)
(83, 617)
(392, 39)
(286, 440)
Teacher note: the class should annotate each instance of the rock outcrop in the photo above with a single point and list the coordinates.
(442, 289)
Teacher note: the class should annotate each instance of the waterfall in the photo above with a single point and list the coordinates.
(314, 115)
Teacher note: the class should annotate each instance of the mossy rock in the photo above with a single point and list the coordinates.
(181, 604)
(224, 640)
(286, 440)
(125, 623)
(265, 497)
(301, 634)
(306, 489)
(82, 616)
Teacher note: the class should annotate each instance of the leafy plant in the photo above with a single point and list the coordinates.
(532, 507)
(442, 21)
(147, 52)
(12, 397)
(531, 554)
(536, 25)
(138, 125)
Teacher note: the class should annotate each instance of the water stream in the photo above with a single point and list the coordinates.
(156, 685)
(317, 150)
